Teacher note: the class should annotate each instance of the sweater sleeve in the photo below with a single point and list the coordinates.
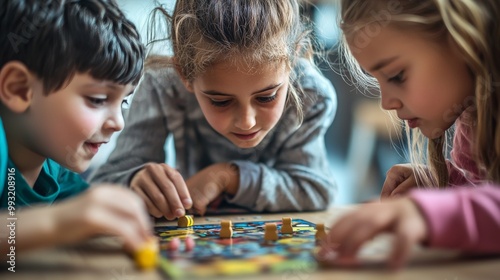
(143, 138)
(463, 218)
(300, 179)
(462, 168)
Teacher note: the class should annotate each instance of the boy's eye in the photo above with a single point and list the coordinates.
(220, 103)
(96, 101)
(267, 99)
(398, 79)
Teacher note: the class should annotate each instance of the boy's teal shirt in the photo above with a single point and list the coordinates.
(53, 183)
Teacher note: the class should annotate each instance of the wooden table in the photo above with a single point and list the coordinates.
(102, 258)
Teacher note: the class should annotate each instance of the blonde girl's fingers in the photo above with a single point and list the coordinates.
(364, 229)
(395, 177)
(403, 243)
(391, 182)
(340, 235)
(404, 187)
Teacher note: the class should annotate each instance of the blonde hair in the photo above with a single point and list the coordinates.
(471, 26)
(243, 32)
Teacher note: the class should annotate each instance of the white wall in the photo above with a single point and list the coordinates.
(138, 12)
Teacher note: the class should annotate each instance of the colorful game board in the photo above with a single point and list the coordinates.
(245, 253)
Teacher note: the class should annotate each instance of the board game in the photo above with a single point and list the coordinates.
(246, 253)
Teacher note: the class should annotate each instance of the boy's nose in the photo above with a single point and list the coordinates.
(115, 122)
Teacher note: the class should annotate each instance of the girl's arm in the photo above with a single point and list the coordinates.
(300, 178)
(144, 136)
(465, 218)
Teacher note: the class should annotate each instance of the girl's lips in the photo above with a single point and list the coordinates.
(246, 136)
(412, 123)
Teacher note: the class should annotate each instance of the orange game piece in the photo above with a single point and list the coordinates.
(271, 232)
(286, 226)
(226, 229)
(320, 232)
(147, 257)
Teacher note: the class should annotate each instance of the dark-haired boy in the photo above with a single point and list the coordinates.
(65, 69)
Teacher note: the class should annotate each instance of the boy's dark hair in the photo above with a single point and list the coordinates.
(59, 38)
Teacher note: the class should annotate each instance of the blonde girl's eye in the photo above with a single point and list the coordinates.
(398, 79)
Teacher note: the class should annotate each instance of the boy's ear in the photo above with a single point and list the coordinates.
(16, 91)
(185, 82)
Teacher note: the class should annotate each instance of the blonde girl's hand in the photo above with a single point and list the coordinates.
(209, 184)
(400, 217)
(102, 210)
(399, 180)
(163, 190)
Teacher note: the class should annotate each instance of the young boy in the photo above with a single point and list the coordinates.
(65, 69)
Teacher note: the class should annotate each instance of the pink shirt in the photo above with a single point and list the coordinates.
(466, 217)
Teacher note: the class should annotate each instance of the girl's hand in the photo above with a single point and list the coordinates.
(400, 217)
(163, 190)
(399, 180)
(210, 183)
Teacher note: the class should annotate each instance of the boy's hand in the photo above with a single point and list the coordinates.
(163, 190)
(208, 184)
(399, 180)
(400, 217)
(108, 210)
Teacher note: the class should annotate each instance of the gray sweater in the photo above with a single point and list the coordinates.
(287, 171)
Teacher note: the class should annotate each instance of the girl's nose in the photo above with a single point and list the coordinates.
(245, 119)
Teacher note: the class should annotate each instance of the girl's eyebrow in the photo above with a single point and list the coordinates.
(214, 92)
(381, 64)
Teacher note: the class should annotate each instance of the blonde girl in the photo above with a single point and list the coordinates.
(437, 65)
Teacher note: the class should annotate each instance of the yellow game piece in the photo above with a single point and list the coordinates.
(226, 229)
(286, 226)
(147, 257)
(320, 232)
(271, 232)
(185, 221)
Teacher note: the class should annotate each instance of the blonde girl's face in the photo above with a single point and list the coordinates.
(242, 105)
(425, 81)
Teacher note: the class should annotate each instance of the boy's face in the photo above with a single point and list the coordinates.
(70, 125)
(242, 106)
(426, 82)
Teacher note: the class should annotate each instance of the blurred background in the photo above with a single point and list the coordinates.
(362, 142)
